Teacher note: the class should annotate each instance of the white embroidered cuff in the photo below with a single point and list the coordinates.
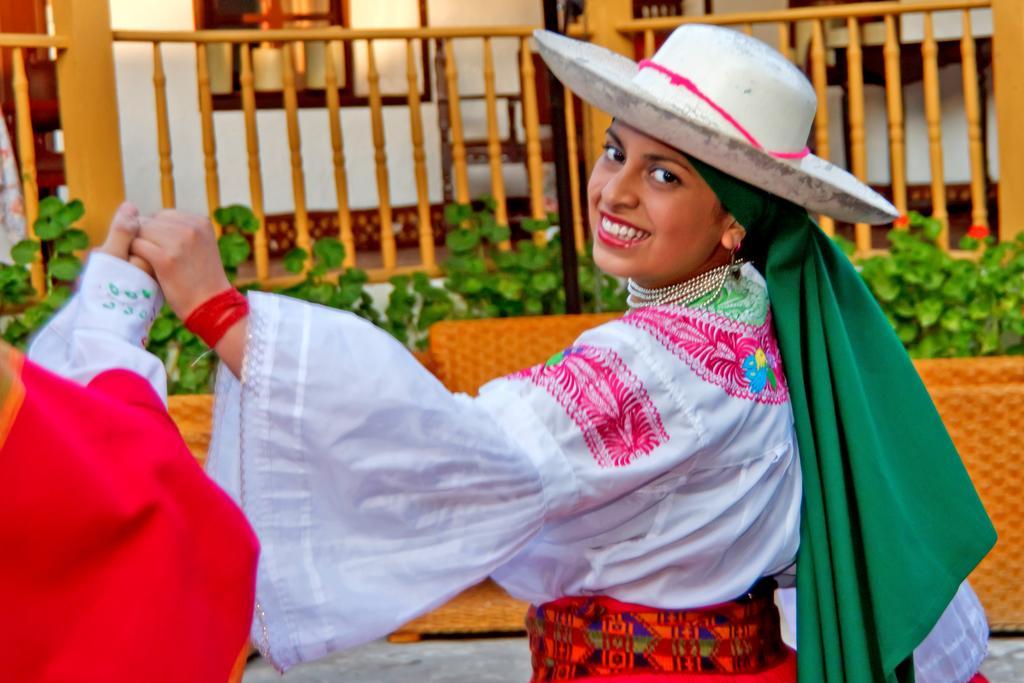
(118, 297)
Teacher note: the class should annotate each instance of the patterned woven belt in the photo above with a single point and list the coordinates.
(597, 636)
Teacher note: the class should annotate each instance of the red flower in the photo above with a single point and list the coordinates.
(978, 232)
(902, 222)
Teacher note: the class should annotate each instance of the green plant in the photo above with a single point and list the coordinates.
(494, 279)
(413, 306)
(189, 362)
(60, 240)
(236, 221)
(943, 305)
(346, 292)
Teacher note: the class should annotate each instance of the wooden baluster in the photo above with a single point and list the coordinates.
(858, 151)
(426, 231)
(291, 115)
(648, 43)
(972, 109)
(163, 135)
(209, 141)
(574, 171)
(455, 120)
(818, 76)
(252, 147)
(27, 152)
(748, 29)
(531, 122)
(387, 234)
(784, 40)
(338, 157)
(894, 104)
(493, 140)
(933, 117)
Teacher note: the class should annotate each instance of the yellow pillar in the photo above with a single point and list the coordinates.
(1007, 56)
(600, 22)
(88, 103)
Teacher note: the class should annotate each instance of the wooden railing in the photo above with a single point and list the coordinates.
(445, 38)
(84, 43)
(18, 43)
(811, 22)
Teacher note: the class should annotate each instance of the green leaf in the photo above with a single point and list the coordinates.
(24, 252)
(932, 228)
(248, 223)
(884, 287)
(50, 206)
(222, 215)
(907, 332)
(934, 280)
(295, 260)
(58, 296)
(47, 229)
(162, 329)
(979, 308)
(545, 282)
(329, 252)
(952, 320)
(348, 294)
(64, 268)
(462, 240)
(71, 212)
(455, 214)
(533, 225)
(238, 216)
(353, 276)
(496, 234)
(71, 241)
(471, 285)
(510, 288)
(234, 249)
(968, 243)
(433, 313)
(904, 308)
(320, 293)
(928, 312)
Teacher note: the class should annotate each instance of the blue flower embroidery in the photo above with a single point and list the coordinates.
(758, 373)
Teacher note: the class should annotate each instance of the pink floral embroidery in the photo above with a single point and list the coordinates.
(741, 358)
(606, 401)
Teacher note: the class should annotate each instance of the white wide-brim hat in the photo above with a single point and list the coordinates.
(727, 99)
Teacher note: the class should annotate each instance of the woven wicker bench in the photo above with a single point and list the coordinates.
(980, 399)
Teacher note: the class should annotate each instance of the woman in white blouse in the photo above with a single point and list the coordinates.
(644, 487)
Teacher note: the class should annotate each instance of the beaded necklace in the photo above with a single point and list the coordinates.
(682, 293)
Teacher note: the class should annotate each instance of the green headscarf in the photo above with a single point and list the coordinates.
(891, 523)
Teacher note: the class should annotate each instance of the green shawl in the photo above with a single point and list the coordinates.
(891, 523)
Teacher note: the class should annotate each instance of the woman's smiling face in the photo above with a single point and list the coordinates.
(654, 218)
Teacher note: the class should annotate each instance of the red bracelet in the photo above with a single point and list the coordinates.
(211, 320)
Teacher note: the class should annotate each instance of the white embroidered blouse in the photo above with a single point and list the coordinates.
(653, 461)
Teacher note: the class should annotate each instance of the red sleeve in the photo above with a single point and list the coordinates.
(121, 560)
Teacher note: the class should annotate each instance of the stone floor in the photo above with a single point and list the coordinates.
(500, 660)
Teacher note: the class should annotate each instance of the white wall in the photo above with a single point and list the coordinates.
(136, 103)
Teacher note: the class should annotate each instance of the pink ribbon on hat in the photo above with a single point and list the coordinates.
(677, 79)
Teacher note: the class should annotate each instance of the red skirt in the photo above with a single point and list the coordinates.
(598, 639)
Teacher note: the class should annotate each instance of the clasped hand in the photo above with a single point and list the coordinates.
(179, 249)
